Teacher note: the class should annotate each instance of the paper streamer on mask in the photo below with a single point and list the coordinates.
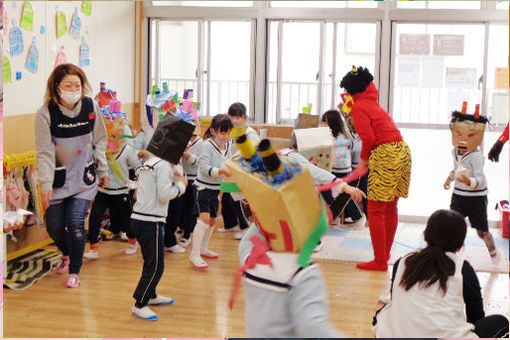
(15, 39)
(33, 57)
(27, 17)
(75, 26)
(114, 165)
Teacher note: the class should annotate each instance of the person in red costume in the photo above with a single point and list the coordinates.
(498, 146)
(387, 156)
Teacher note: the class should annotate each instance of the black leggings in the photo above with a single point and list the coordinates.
(492, 326)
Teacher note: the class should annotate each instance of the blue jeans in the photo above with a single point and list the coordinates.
(65, 224)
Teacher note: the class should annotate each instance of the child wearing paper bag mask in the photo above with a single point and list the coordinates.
(469, 196)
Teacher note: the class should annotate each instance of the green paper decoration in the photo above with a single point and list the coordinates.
(6, 70)
(61, 24)
(229, 187)
(27, 17)
(86, 8)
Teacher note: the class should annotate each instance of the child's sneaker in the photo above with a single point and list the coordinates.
(144, 313)
(91, 254)
(63, 267)
(123, 237)
(160, 300)
(132, 248)
(239, 235)
(319, 247)
(73, 281)
(229, 230)
(175, 249)
(184, 242)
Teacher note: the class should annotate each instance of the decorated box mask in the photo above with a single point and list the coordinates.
(467, 130)
(317, 146)
(288, 214)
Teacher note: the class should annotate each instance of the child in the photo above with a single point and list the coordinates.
(387, 156)
(216, 149)
(321, 176)
(157, 185)
(115, 195)
(342, 165)
(285, 294)
(469, 196)
(183, 211)
(435, 293)
(231, 210)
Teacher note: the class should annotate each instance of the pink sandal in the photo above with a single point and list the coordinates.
(73, 281)
(63, 267)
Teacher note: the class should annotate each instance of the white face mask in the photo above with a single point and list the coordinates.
(69, 97)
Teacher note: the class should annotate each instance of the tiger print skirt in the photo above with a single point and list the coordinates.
(390, 172)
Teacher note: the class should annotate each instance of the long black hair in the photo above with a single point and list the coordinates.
(335, 122)
(445, 231)
(356, 80)
(219, 122)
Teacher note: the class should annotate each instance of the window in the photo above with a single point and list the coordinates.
(436, 67)
(350, 50)
(433, 4)
(325, 4)
(497, 75)
(204, 3)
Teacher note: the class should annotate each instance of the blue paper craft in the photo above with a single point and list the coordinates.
(84, 53)
(18, 75)
(33, 57)
(75, 26)
(14, 4)
(16, 39)
(42, 30)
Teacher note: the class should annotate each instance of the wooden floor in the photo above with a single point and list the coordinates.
(101, 307)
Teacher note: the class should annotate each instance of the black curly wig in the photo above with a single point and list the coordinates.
(356, 80)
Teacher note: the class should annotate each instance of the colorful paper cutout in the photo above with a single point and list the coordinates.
(33, 57)
(84, 53)
(16, 39)
(19, 75)
(27, 17)
(86, 8)
(5, 18)
(75, 25)
(42, 30)
(14, 4)
(61, 57)
(6, 68)
(61, 22)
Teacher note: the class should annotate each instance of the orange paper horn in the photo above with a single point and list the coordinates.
(477, 111)
(464, 108)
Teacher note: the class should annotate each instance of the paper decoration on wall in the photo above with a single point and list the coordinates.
(86, 8)
(27, 17)
(61, 57)
(42, 30)
(33, 57)
(61, 23)
(84, 53)
(19, 75)
(16, 39)
(6, 70)
(14, 5)
(75, 26)
(5, 18)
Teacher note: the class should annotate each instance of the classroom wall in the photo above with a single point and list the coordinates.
(110, 35)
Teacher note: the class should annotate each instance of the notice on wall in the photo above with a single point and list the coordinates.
(418, 44)
(501, 78)
(500, 107)
(448, 44)
(432, 72)
(461, 78)
(409, 72)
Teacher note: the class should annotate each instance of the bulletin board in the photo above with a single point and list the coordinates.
(60, 29)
